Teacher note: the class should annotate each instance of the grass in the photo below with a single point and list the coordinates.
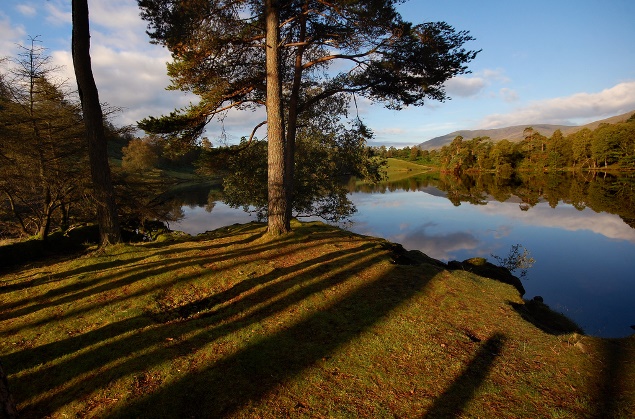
(317, 323)
(398, 169)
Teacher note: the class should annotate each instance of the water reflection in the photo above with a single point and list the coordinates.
(200, 219)
(579, 233)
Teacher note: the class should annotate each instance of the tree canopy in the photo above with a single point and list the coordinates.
(220, 49)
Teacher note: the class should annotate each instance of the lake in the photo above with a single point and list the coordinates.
(577, 231)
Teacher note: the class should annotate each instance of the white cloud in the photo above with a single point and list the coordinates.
(438, 246)
(390, 131)
(465, 86)
(116, 14)
(9, 36)
(574, 109)
(508, 95)
(469, 86)
(566, 218)
(26, 10)
(58, 13)
(133, 81)
(495, 75)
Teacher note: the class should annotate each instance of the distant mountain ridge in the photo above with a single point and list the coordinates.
(515, 133)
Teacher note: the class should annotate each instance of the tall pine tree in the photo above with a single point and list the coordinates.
(222, 52)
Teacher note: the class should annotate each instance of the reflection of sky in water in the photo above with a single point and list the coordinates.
(584, 260)
(197, 220)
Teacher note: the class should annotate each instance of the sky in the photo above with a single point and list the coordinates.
(565, 62)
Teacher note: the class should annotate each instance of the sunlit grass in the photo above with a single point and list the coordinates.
(398, 169)
(318, 323)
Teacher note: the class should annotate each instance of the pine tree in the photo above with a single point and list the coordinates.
(223, 49)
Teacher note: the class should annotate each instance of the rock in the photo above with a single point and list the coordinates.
(539, 299)
(454, 265)
(481, 267)
(401, 256)
(476, 261)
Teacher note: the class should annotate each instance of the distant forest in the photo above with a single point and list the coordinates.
(608, 147)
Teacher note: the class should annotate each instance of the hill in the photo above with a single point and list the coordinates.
(515, 133)
(317, 323)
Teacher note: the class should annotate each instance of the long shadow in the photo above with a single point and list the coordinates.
(613, 399)
(545, 319)
(29, 358)
(87, 288)
(18, 285)
(452, 402)
(139, 276)
(149, 342)
(226, 232)
(248, 284)
(93, 268)
(251, 373)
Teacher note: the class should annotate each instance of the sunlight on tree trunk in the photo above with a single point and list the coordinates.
(93, 118)
(278, 219)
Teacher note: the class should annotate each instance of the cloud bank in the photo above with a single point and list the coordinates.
(571, 110)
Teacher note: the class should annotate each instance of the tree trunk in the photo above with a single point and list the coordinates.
(47, 214)
(15, 212)
(93, 119)
(279, 221)
(64, 218)
(292, 124)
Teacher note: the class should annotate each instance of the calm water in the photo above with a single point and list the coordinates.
(585, 259)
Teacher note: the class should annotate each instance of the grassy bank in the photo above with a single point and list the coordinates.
(318, 323)
(398, 169)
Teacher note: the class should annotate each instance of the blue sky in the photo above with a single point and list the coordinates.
(557, 61)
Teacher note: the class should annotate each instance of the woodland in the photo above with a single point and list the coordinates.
(609, 147)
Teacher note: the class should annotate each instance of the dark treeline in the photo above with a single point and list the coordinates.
(44, 166)
(608, 147)
(599, 191)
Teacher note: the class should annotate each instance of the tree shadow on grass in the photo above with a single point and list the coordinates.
(49, 352)
(452, 402)
(76, 366)
(614, 400)
(262, 365)
(76, 290)
(545, 319)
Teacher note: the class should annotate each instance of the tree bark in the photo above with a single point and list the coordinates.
(278, 221)
(93, 119)
(292, 123)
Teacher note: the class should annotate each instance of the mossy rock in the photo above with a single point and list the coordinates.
(171, 236)
(481, 267)
(401, 256)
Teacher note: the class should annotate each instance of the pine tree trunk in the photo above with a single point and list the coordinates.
(93, 119)
(292, 123)
(279, 221)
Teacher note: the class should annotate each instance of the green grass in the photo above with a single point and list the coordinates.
(398, 169)
(317, 323)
